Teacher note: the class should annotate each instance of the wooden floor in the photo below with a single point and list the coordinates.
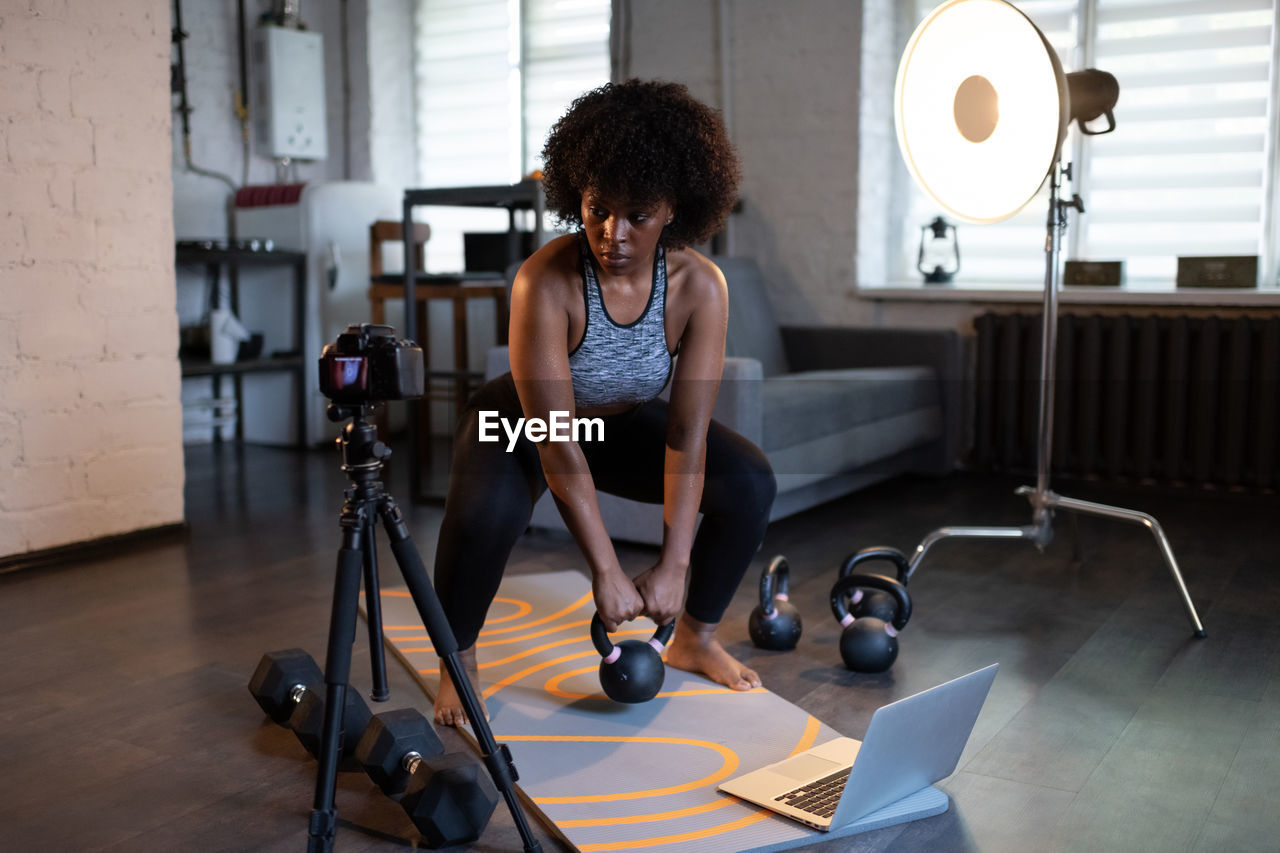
(125, 723)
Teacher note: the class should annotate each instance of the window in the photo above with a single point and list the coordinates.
(1187, 170)
(492, 76)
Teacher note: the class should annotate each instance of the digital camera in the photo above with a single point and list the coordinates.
(366, 364)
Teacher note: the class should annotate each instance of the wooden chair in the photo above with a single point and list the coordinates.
(455, 384)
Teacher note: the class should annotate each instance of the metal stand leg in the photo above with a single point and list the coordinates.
(1043, 501)
(1090, 508)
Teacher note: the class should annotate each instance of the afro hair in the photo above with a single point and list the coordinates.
(645, 141)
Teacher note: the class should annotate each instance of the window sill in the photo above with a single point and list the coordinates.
(1072, 295)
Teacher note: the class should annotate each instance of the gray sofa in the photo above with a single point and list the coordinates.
(835, 409)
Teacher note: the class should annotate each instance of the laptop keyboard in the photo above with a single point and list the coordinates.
(818, 798)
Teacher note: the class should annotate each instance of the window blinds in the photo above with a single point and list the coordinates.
(1184, 172)
(492, 76)
(566, 52)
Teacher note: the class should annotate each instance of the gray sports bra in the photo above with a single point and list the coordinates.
(614, 363)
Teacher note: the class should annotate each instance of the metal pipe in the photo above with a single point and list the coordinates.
(1162, 541)
(1028, 532)
(726, 96)
(1049, 334)
(184, 109)
(242, 96)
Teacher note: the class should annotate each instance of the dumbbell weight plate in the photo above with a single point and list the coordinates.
(277, 674)
(390, 737)
(450, 799)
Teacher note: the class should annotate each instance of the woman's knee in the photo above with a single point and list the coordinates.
(761, 486)
(745, 487)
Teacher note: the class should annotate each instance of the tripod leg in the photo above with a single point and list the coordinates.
(337, 672)
(496, 757)
(373, 608)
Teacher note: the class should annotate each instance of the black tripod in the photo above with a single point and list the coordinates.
(366, 500)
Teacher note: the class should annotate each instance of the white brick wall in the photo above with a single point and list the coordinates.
(794, 86)
(90, 419)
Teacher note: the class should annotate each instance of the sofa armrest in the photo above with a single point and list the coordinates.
(738, 405)
(836, 347)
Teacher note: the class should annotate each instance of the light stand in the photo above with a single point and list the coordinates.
(981, 106)
(1043, 500)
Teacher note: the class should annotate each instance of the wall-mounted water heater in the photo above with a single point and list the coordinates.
(289, 93)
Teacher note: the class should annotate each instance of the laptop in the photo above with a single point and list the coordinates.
(909, 745)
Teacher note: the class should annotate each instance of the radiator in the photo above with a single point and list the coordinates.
(1166, 400)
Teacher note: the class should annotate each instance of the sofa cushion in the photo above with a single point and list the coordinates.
(753, 330)
(871, 448)
(801, 407)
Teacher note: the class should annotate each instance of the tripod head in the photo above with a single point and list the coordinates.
(362, 452)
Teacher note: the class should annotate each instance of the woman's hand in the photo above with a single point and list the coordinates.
(617, 599)
(662, 588)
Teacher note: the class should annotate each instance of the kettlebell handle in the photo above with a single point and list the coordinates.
(776, 574)
(877, 552)
(846, 584)
(610, 652)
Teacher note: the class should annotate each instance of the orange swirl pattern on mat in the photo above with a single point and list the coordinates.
(522, 609)
(524, 654)
(519, 638)
(552, 686)
(726, 769)
(807, 739)
(544, 620)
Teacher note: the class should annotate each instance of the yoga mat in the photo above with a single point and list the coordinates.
(608, 776)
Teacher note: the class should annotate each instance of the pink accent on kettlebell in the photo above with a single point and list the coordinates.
(657, 644)
(856, 597)
(890, 630)
(847, 620)
(614, 655)
(782, 596)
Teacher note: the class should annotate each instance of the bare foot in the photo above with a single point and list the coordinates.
(696, 649)
(448, 705)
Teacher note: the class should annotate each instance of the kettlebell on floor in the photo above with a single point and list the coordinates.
(875, 602)
(869, 643)
(775, 623)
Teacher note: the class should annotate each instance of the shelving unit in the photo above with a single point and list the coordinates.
(525, 195)
(232, 259)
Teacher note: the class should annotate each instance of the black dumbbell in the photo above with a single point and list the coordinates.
(450, 799)
(393, 745)
(289, 687)
(875, 603)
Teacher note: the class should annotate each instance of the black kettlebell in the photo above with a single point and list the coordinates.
(775, 623)
(631, 671)
(869, 644)
(873, 602)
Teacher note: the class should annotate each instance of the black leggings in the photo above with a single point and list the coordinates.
(492, 493)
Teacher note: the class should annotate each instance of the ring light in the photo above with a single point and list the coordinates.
(981, 108)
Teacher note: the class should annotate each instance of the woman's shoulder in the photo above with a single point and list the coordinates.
(552, 272)
(693, 273)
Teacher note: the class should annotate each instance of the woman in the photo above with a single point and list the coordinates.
(645, 171)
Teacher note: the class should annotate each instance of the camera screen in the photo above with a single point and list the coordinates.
(348, 373)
